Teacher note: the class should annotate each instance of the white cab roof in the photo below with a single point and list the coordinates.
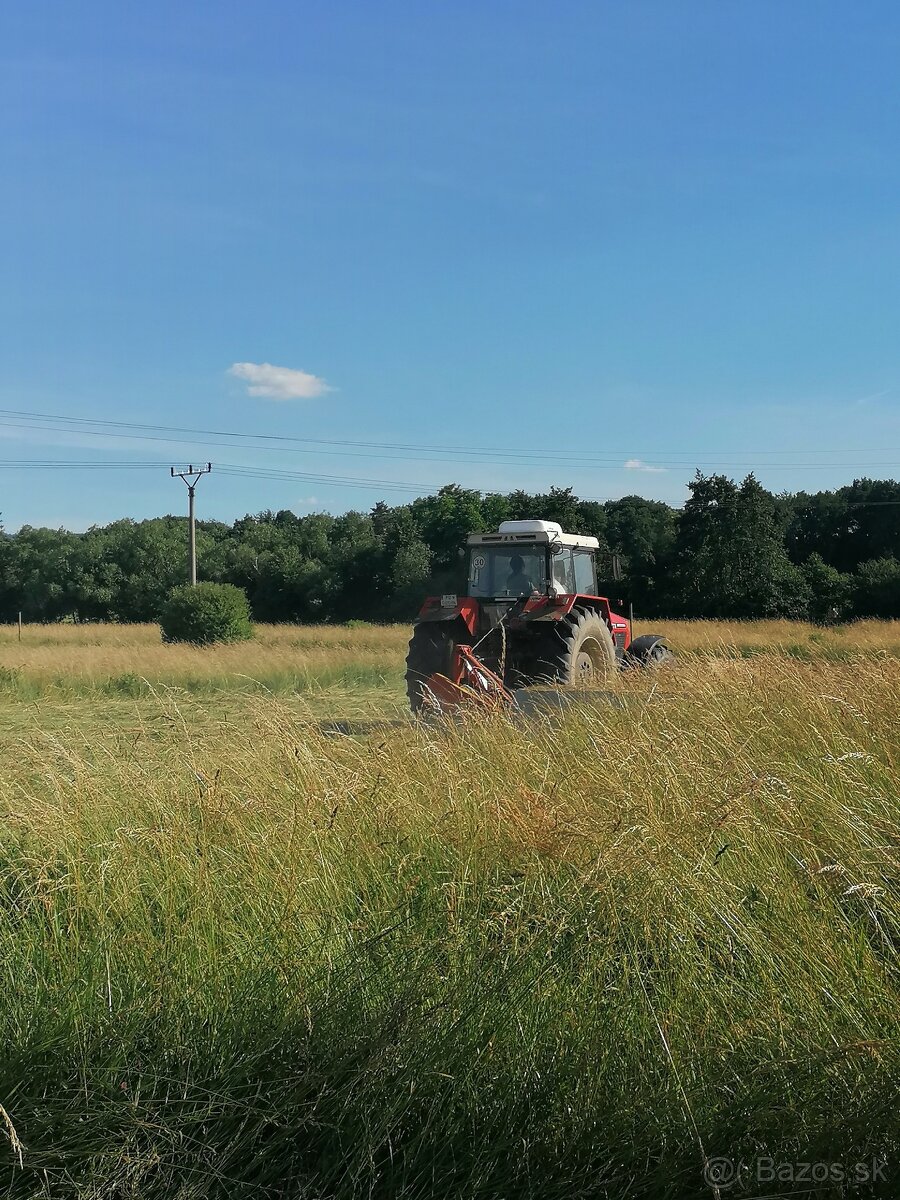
(534, 532)
(531, 527)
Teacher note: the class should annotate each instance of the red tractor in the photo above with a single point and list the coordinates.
(532, 616)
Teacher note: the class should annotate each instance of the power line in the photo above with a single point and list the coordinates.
(276, 474)
(331, 480)
(541, 458)
(68, 465)
(347, 442)
(243, 471)
(462, 454)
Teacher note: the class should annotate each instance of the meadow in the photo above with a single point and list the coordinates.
(262, 935)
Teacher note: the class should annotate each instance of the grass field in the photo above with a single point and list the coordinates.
(573, 958)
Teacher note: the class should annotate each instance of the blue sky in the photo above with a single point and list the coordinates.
(646, 233)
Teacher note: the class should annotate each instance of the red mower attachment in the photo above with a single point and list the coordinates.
(474, 686)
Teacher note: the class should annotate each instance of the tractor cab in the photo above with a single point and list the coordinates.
(531, 559)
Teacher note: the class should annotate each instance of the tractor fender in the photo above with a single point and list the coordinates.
(556, 608)
(465, 611)
(649, 649)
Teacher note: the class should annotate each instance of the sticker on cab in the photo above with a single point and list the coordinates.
(478, 562)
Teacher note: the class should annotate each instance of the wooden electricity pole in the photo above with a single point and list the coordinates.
(191, 476)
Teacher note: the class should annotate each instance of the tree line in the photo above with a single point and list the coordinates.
(735, 550)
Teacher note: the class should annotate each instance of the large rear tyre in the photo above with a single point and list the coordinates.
(431, 650)
(587, 654)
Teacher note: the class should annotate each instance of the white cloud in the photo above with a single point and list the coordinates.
(279, 383)
(635, 464)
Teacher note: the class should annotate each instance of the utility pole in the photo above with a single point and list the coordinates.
(191, 476)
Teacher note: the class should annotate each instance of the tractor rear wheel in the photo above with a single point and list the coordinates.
(431, 650)
(586, 654)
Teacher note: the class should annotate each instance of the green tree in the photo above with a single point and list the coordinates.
(642, 533)
(152, 559)
(730, 555)
(830, 591)
(877, 589)
(816, 524)
(560, 505)
(495, 509)
(355, 561)
(444, 522)
(735, 550)
(40, 564)
(593, 520)
(872, 528)
(404, 563)
(409, 574)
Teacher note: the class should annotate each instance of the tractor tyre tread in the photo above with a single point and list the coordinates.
(583, 631)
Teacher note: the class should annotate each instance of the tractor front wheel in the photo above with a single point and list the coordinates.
(648, 651)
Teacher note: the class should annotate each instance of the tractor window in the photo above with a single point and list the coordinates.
(507, 570)
(585, 574)
(563, 582)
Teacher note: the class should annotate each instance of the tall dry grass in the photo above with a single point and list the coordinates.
(130, 660)
(502, 958)
(795, 638)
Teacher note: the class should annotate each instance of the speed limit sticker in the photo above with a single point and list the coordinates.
(478, 562)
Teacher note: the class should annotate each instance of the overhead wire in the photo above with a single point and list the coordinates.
(249, 471)
(115, 429)
(473, 455)
(69, 465)
(241, 470)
